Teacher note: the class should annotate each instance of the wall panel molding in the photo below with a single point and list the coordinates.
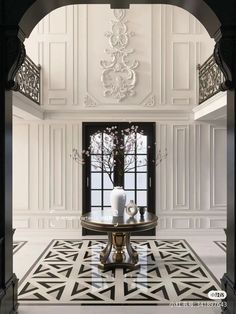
(180, 21)
(57, 21)
(57, 74)
(218, 168)
(40, 167)
(164, 44)
(47, 166)
(58, 169)
(186, 182)
(197, 167)
(181, 70)
(181, 167)
(76, 53)
(180, 101)
(21, 167)
(191, 223)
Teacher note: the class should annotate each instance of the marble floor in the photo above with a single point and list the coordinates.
(202, 242)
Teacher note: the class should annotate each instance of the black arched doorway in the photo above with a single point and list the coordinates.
(17, 19)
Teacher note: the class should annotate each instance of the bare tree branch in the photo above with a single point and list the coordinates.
(108, 148)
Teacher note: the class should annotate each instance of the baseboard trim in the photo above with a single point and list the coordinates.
(37, 235)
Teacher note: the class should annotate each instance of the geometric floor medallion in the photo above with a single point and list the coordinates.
(67, 273)
(18, 245)
(221, 244)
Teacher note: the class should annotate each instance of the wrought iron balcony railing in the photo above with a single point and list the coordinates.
(210, 79)
(28, 78)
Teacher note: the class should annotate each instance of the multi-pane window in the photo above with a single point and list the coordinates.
(101, 182)
(138, 170)
(136, 178)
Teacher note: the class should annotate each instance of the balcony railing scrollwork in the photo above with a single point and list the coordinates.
(28, 78)
(210, 79)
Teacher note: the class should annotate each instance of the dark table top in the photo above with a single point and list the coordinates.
(102, 220)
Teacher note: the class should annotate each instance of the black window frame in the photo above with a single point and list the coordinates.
(149, 128)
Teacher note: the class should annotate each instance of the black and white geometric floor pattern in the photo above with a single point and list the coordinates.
(221, 244)
(18, 245)
(67, 273)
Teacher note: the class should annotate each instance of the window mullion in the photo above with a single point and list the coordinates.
(135, 170)
(102, 176)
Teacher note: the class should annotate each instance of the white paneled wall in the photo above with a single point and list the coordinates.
(192, 177)
(191, 182)
(167, 43)
(46, 181)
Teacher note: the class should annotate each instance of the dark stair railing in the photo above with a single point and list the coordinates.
(28, 78)
(210, 79)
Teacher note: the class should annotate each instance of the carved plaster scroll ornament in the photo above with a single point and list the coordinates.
(119, 77)
(150, 102)
(89, 102)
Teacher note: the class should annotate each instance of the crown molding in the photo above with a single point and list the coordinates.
(114, 115)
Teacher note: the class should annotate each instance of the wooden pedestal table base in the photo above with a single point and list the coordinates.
(118, 251)
(123, 255)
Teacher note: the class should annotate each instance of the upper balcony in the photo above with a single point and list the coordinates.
(28, 78)
(212, 100)
(27, 101)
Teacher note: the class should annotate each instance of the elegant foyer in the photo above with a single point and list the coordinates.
(104, 98)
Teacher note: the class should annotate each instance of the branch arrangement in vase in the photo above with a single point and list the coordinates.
(108, 148)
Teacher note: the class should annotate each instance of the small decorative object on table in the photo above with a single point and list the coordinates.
(118, 200)
(131, 208)
(142, 210)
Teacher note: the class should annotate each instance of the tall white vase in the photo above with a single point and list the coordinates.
(118, 200)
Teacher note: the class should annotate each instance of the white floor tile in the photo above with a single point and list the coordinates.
(202, 242)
